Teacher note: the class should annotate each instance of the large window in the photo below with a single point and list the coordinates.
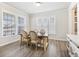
(8, 24)
(44, 22)
(20, 24)
(39, 23)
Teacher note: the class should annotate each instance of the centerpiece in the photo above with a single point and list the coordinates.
(42, 32)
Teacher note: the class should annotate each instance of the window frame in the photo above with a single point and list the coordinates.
(13, 16)
(21, 24)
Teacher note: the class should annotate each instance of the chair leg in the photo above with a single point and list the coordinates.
(30, 45)
(45, 48)
(36, 47)
(20, 43)
(27, 43)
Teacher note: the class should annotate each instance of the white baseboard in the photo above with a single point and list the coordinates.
(9, 40)
(58, 39)
(54, 37)
(6, 43)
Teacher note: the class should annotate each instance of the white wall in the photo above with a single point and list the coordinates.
(61, 16)
(16, 12)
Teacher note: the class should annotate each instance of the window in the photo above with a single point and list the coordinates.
(39, 23)
(8, 24)
(47, 23)
(52, 25)
(20, 24)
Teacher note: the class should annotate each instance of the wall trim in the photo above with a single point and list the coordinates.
(59, 39)
(6, 43)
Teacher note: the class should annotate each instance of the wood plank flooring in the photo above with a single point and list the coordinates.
(56, 48)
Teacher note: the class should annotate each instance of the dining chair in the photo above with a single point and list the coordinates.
(44, 43)
(34, 38)
(24, 38)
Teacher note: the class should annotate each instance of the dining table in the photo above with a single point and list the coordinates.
(42, 36)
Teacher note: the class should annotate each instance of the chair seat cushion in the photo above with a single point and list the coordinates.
(25, 40)
(33, 41)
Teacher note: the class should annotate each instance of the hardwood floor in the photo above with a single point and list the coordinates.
(55, 49)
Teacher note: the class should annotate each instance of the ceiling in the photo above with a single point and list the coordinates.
(31, 8)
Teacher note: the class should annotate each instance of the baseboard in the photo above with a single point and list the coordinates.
(6, 43)
(54, 37)
(61, 39)
(8, 39)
